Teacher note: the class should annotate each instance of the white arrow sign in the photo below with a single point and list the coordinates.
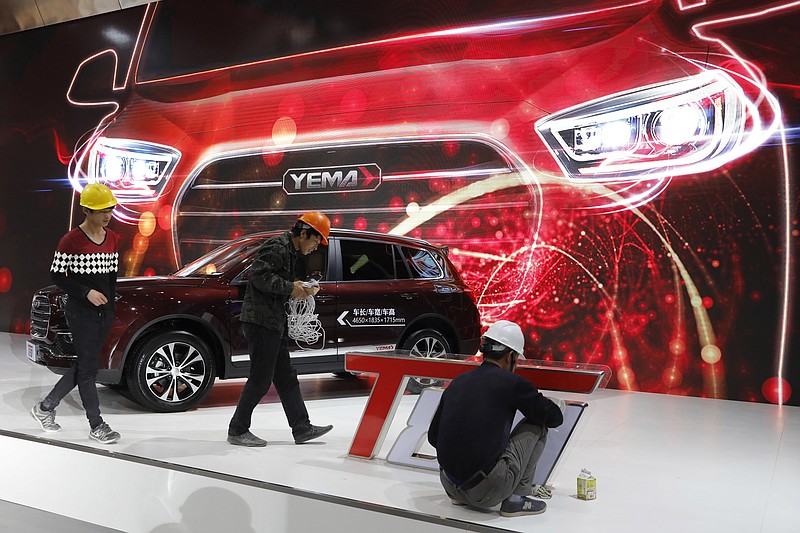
(394, 322)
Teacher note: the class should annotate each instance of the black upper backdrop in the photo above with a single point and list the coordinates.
(38, 133)
(39, 130)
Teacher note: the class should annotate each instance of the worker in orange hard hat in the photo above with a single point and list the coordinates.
(317, 221)
(264, 323)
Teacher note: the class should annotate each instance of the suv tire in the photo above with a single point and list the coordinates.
(170, 371)
(425, 343)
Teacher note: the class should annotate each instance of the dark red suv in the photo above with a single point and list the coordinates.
(173, 335)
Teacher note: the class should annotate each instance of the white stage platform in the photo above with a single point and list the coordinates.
(662, 463)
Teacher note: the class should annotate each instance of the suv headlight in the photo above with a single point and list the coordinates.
(133, 170)
(686, 126)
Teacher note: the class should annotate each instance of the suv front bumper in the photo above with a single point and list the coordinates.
(49, 355)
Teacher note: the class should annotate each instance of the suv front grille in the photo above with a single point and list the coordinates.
(40, 316)
(243, 193)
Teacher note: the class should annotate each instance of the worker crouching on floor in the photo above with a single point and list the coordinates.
(483, 462)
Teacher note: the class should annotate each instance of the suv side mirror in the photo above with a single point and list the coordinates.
(93, 83)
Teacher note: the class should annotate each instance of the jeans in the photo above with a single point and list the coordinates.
(269, 363)
(89, 327)
(513, 473)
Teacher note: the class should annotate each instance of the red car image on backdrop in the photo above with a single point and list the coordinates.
(588, 167)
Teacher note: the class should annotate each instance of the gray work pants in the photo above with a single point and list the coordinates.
(513, 473)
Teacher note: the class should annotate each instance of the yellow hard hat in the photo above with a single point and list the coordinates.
(96, 196)
(319, 222)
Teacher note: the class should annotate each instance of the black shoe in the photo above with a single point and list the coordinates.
(310, 432)
(246, 439)
(521, 506)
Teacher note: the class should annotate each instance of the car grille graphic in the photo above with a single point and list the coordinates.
(238, 194)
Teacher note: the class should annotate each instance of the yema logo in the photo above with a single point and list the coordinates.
(332, 179)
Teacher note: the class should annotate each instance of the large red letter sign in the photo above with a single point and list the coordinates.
(393, 369)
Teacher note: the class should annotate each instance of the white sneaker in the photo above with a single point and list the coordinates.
(541, 492)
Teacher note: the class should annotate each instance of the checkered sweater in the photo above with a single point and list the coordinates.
(80, 265)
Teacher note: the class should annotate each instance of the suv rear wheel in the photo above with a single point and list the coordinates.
(171, 372)
(425, 343)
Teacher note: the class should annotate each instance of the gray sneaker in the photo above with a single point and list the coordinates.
(104, 434)
(47, 419)
(521, 506)
(246, 439)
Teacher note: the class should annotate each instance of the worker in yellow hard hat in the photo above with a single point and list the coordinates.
(85, 267)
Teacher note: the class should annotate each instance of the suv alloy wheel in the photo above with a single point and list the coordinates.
(171, 371)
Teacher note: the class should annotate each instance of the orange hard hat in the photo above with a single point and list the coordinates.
(319, 222)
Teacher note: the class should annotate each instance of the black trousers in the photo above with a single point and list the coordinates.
(89, 327)
(269, 363)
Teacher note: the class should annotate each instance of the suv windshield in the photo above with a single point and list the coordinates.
(220, 260)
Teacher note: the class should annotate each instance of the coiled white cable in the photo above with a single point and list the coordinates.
(304, 324)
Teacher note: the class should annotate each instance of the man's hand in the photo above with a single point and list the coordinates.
(298, 291)
(311, 287)
(96, 297)
(311, 291)
(561, 404)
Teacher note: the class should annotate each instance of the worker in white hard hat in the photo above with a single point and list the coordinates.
(483, 462)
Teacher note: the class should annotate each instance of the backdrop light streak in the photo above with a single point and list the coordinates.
(700, 30)
(709, 352)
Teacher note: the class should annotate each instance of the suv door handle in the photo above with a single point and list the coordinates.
(409, 295)
(324, 297)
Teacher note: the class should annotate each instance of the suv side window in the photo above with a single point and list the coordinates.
(367, 261)
(421, 263)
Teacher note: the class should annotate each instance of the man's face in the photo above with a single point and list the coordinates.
(308, 244)
(100, 217)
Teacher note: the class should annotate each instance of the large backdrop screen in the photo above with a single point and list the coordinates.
(617, 177)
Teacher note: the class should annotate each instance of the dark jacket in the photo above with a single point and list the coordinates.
(270, 284)
(472, 425)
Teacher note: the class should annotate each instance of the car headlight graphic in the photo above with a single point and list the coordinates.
(133, 170)
(686, 126)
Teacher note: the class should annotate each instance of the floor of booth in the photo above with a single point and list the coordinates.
(662, 463)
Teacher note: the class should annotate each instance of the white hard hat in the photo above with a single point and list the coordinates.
(508, 334)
